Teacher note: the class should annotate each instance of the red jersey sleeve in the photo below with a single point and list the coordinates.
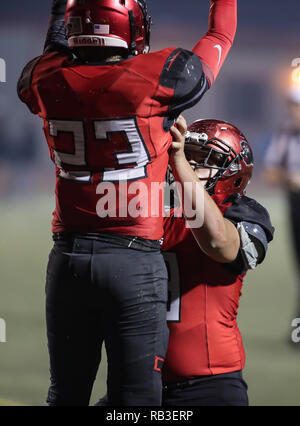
(214, 47)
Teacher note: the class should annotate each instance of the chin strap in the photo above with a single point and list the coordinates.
(132, 48)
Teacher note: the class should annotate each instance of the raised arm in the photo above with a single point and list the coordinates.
(56, 39)
(213, 48)
(218, 238)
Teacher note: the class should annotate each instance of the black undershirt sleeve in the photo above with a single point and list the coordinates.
(56, 39)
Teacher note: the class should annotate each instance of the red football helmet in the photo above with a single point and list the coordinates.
(122, 24)
(219, 145)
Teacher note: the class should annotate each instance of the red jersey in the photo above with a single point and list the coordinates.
(109, 123)
(204, 299)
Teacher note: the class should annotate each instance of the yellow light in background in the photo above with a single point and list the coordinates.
(296, 76)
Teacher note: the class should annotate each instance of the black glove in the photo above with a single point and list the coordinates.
(59, 7)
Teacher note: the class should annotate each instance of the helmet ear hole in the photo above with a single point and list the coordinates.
(238, 182)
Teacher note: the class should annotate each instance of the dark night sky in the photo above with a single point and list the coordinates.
(252, 13)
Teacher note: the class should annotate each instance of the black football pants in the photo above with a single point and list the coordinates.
(227, 389)
(98, 291)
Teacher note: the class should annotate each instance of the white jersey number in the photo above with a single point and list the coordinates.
(137, 156)
(77, 158)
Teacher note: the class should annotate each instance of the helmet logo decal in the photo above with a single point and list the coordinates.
(74, 25)
(101, 29)
(246, 154)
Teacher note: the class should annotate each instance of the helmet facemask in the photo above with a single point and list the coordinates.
(211, 154)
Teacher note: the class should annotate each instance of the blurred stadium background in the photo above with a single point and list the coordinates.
(250, 93)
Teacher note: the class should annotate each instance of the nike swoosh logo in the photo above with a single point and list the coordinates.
(217, 46)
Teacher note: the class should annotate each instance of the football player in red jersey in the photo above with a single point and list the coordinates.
(107, 105)
(207, 265)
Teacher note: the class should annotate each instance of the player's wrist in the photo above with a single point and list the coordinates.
(178, 159)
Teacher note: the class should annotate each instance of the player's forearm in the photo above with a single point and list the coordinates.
(214, 47)
(56, 36)
(217, 237)
(190, 189)
(223, 20)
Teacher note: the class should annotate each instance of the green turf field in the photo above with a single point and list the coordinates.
(272, 369)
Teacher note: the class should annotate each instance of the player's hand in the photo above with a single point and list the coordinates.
(178, 131)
